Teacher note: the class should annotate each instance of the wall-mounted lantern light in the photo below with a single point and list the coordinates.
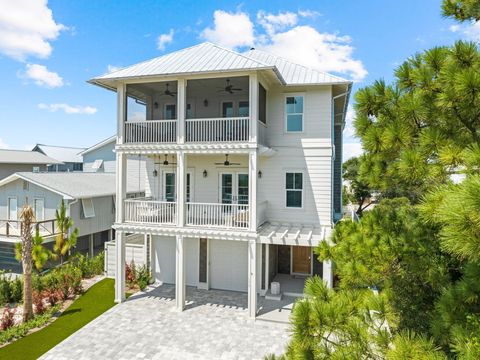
(155, 173)
(155, 105)
(260, 174)
(205, 102)
(205, 173)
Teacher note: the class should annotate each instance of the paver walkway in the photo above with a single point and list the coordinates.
(215, 325)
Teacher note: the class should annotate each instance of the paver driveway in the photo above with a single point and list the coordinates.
(215, 325)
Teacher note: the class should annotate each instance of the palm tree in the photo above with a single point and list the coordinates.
(65, 239)
(27, 217)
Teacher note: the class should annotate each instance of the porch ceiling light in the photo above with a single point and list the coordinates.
(205, 173)
(155, 105)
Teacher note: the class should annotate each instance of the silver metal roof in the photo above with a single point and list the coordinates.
(203, 58)
(295, 74)
(78, 185)
(61, 153)
(25, 157)
(111, 139)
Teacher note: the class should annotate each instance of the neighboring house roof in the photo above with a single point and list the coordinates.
(65, 154)
(295, 74)
(207, 57)
(77, 185)
(111, 139)
(25, 157)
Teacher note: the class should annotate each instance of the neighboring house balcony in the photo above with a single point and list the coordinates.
(11, 230)
(215, 111)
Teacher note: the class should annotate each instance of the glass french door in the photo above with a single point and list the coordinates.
(169, 187)
(234, 188)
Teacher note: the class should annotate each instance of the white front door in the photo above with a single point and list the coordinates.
(12, 209)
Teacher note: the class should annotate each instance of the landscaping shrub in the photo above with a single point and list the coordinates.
(89, 266)
(143, 277)
(10, 289)
(38, 302)
(7, 318)
(130, 274)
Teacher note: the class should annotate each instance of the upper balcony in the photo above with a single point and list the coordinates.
(197, 111)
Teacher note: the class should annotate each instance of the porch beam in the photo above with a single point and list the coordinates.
(180, 287)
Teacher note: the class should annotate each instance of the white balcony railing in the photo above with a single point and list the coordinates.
(218, 215)
(149, 211)
(218, 129)
(151, 131)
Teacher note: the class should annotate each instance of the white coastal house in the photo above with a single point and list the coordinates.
(243, 167)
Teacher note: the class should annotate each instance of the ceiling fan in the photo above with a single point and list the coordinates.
(166, 162)
(167, 91)
(229, 88)
(226, 162)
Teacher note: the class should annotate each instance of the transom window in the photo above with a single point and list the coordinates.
(294, 189)
(294, 113)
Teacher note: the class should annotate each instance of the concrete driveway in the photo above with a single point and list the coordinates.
(215, 325)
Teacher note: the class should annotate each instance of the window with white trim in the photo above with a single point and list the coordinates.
(88, 209)
(294, 113)
(36, 169)
(39, 206)
(294, 189)
(170, 111)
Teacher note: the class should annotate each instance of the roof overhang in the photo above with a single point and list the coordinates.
(99, 145)
(18, 176)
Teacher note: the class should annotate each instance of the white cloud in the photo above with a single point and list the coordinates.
(68, 109)
(112, 68)
(26, 28)
(351, 149)
(165, 39)
(471, 31)
(231, 30)
(349, 130)
(308, 13)
(284, 36)
(3, 144)
(42, 76)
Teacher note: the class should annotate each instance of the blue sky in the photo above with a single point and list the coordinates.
(49, 50)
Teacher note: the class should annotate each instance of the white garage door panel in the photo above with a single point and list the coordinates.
(228, 265)
(191, 259)
(164, 259)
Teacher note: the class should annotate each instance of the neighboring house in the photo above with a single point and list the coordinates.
(12, 161)
(90, 200)
(101, 158)
(243, 168)
(68, 156)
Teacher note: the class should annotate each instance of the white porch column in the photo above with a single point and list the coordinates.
(252, 189)
(252, 278)
(110, 234)
(121, 107)
(253, 102)
(120, 267)
(267, 267)
(181, 110)
(180, 288)
(181, 180)
(327, 274)
(121, 187)
(90, 245)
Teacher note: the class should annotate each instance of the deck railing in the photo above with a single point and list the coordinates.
(13, 228)
(218, 215)
(149, 211)
(151, 131)
(218, 129)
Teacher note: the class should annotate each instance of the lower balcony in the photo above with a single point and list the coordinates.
(211, 215)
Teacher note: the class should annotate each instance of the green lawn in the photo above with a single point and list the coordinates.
(97, 300)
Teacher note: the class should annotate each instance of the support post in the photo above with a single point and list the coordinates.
(181, 180)
(327, 274)
(181, 110)
(180, 287)
(252, 278)
(267, 267)
(120, 267)
(121, 187)
(253, 101)
(121, 118)
(252, 189)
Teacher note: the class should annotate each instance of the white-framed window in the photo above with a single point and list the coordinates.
(36, 169)
(88, 209)
(97, 165)
(39, 207)
(169, 186)
(170, 112)
(228, 109)
(294, 113)
(12, 208)
(189, 111)
(243, 108)
(294, 190)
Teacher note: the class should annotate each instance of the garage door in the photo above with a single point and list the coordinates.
(163, 251)
(164, 260)
(228, 265)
